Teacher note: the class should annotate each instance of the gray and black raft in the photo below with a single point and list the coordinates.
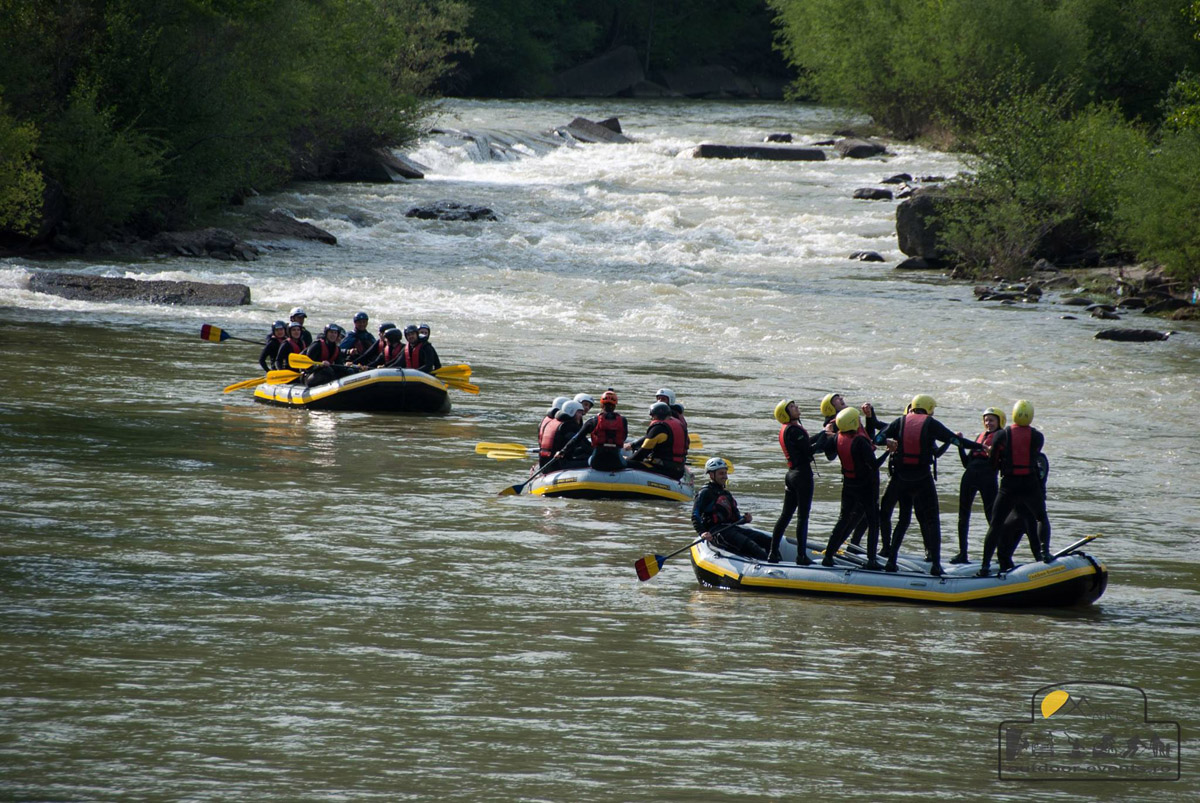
(1073, 578)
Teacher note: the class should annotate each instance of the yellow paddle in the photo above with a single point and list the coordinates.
(694, 441)
(487, 446)
(280, 377)
(301, 361)
(245, 383)
(461, 368)
(465, 387)
(699, 460)
(500, 455)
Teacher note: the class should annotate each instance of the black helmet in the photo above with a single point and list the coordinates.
(411, 329)
(660, 410)
(295, 325)
(279, 325)
(333, 327)
(393, 335)
(424, 326)
(360, 316)
(383, 327)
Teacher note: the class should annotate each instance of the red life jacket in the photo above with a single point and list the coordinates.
(679, 439)
(783, 443)
(1018, 457)
(412, 355)
(391, 351)
(611, 430)
(546, 434)
(911, 429)
(844, 441)
(326, 356)
(984, 439)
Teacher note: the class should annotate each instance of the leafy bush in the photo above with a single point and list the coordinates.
(21, 183)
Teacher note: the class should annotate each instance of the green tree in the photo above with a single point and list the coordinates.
(21, 183)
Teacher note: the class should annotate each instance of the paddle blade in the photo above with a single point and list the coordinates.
(647, 567)
(694, 441)
(489, 446)
(511, 490)
(502, 455)
(214, 334)
(280, 377)
(465, 387)
(245, 383)
(461, 369)
(301, 361)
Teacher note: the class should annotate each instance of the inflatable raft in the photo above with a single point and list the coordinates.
(1073, 578)
(627, 483)
(391, 390)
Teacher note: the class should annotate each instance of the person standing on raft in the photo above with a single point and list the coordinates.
(860, 490)
(979, 477)
(716, 509)
(797, 447)
(1015, 451)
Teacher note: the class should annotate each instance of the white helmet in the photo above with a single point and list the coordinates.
(714, 464)
(297, 311)
(558, 402)
(670, 394)
(571, 408)
(583, 397)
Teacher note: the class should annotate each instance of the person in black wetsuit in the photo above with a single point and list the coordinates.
(570, 445)
(546, 444)
(892, 497)
(979, 477)
(298, 315)
(915, 436)
(373, 357)
(417, 356)
(358, 340)
(327, 352)
(423, 332)
(797, 447)
(1015, 451)
(665, 447)
(293, 345)
(266, 358)
(715, 513)
(608, 429)
(860, 489)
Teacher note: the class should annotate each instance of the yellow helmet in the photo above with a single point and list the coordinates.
(1022, 414)
(827, 405)
(923, 401)
(996, 411)
(847, 420)
(781, 414)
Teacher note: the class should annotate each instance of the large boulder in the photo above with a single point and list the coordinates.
(451, 210)
(778, 153)
(1132, 335)
(279, 224)
(617, 71)
(212, 243)
(82, 287)
(851, 148)
(381, 166)
(917, 227)
(585, 130)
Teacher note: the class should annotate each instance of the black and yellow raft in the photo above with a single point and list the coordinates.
(390, 390)
(1072, 579)
(626, 483)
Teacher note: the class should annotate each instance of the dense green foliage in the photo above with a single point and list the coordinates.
(150, 112)
(21, 183)
(523, 43)
(1080, 119)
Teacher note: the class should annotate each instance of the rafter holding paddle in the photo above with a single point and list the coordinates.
(649, 565)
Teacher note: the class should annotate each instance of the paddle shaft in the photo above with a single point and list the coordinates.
(515, 490)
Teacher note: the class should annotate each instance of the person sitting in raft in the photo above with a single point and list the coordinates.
(1015, 451)
(587, 401)
(667, 396)
(358, 340)
(797, 447)
(373, 357)
(423, 332)
(860, 489)
(298, 315)
(267, 357)
(665, 447)
(327, 352)
(914, 436)
(293, 345)
(544, 453)
(416, 356)
(569, 444)
(609, 429)
(715, 513)
(390, 348)
(979, 476)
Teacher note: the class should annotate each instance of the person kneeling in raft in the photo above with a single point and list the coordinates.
(715, 508)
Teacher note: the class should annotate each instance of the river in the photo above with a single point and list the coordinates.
(202, 598)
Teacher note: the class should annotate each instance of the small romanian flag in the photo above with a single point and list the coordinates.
(647, 567)
(214, 333)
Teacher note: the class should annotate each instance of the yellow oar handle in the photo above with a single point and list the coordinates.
(488, 446)
(245, 383)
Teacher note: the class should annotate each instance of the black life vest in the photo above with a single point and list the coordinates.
(611, 430)
(724, 509)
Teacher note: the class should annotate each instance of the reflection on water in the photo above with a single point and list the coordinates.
(207, 598)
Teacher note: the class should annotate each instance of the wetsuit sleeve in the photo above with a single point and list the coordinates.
(264, 354)
(964, 454)
(313, 351)
(434, 360)
(938, 451)
(657, 434)
(873, 426)
(826, 444)
(799, 445)
(942, 433)
(701, 509)
(999, 446)
(891, 431)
